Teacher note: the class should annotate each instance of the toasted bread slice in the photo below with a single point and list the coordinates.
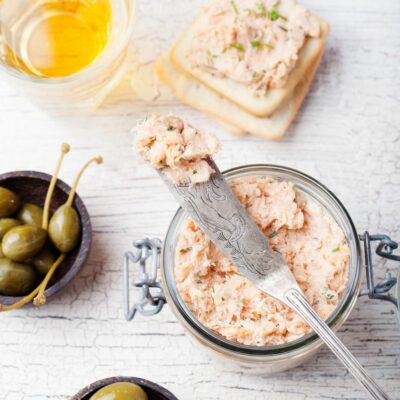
(238, 93)
(199, 96)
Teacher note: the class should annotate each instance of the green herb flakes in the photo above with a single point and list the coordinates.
(272, 234)
(263, 10)
(199, 281)
(235, 7)
(223, 298)
(336, 250)
(170, 128)
(258, 45)
(213, 289)
(194, 172)
(237, 46)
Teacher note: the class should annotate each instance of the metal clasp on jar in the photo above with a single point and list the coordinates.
(151, 298)
(385, 250)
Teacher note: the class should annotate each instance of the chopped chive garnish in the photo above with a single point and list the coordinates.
(262, 9)
(335, 250)
(199, 281)
(234, 6)
(272, 234)
(186, 249)
(257, 44)
(170, 128)
(237, 46)
(211, 57)
(274, 14)
(213, 289)
(283, 28)
(194, 171)
(223, 298)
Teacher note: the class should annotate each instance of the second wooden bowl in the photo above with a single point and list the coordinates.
(153, 391)
(32, 187)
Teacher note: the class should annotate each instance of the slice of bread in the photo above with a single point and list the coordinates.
(238, 93)
(197, 95)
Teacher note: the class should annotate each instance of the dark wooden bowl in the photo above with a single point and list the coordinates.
(153, 391)
(32, 187)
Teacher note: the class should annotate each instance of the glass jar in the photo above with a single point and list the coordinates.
(270, 358)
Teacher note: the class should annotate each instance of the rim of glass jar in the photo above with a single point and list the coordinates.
(342, 310)
(397, 296)
(97, 64)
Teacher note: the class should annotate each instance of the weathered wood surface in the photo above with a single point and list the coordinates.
(347, 135)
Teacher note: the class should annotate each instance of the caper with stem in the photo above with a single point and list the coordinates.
(35, 292)
(23, 242)
(64, 231)
(9, 202)
(65, 225)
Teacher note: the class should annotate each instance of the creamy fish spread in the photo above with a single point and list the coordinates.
(256, 43)
(171, 144)
(311, 242)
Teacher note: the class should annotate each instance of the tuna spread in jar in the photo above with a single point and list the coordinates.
(256, 43)
(170, 144)
(311, 242)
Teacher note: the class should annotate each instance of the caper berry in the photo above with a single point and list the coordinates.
(120, 391)
(16, 279)
(30, 214)
(6, 224)
(9, 202)
(43, 261)
(23, 242)
(65, 228)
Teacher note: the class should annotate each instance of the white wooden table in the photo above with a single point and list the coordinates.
(347, 135)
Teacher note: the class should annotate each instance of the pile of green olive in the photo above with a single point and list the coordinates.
(33, 244)
(120, 391)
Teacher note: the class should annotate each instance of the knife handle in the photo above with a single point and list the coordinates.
(296, 300)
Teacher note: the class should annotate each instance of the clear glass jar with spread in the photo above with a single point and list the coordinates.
(155, 293)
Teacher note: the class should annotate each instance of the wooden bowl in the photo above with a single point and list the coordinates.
(153, 391)
(32, 187)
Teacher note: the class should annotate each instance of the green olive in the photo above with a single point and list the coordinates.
(23, 242)
(9, 202)
(65, 228)
(6, 224)
(16, 279)
(120, 391)
(30, 214)
(43, 261)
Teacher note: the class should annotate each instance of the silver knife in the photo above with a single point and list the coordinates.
(217, 211)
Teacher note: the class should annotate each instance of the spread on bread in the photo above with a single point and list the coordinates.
(256, 43)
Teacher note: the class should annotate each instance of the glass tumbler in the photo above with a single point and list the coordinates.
(82, 90)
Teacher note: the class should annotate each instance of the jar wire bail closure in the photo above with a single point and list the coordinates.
(151, 298)
(385, 250)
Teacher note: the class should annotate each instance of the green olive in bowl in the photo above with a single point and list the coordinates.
(16, 279)
(120, 391)
(30, 214)
(9, 202)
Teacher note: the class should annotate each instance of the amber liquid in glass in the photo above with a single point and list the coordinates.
(53, 38)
